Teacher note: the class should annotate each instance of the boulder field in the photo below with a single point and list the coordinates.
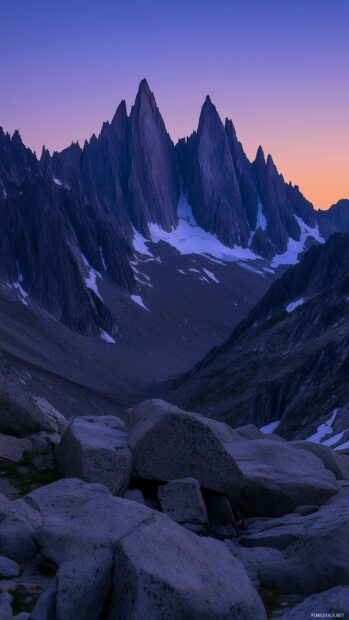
(167, 514)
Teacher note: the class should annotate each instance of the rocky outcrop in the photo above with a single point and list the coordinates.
(153, 187)
(299, 327)
(210, 178)
(67, 221)
(24, 413)
(243, 203)
(334, 219)
(96, 450)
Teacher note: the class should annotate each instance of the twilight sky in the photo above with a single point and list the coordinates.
(278, 68)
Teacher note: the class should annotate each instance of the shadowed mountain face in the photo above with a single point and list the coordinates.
(288, 361)
(75, 219)
(89, 232)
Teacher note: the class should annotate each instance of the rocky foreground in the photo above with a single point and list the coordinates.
(170, 515)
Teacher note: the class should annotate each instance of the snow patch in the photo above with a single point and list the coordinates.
(22, 293)
(141, 277)
(294, 304)
(324, 429)
(106, 337)
(294, 248)
(19, 288)
(343, 446)
(334, 439)
(138, 300)
(102, 259)
(210, 275)
(189, 238)
(261, 219)
(139, 244)
(251, 268)
(270, 428)
(91, 278)
(268, 269)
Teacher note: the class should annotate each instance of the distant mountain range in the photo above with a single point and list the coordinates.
(73, 218)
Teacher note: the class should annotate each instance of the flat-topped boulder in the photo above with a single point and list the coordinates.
(119, 559)
(314, 549)
(168, 443)
(13, 448)
(95, 449)
(279, 477)
(332, 461)
(333, 603)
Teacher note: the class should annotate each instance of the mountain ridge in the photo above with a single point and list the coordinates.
(99, 197)
(299, 328)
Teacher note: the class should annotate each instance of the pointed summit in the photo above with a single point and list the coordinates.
(16, 138)
(260, 159)
(120, 114)
(153, 184)
(209, 115)
(144, 88)
(270, 165)
(208, 105)
(229, 128)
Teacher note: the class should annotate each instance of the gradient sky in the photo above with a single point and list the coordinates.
(278, 68)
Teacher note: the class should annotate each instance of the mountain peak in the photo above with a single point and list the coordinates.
(230, 125)
(208, 105)
(16, 138)
(144, 88)
(209, 113)
(260, 159)
(121, 112)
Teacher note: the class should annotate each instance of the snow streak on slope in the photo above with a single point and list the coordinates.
(139, 244)
(294, 248)
(294, 304)
(138, 300)
(270, 428)
(261, 220)
(106, 337)
(324, 429)
(91, 278)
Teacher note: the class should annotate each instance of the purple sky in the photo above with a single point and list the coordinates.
(279, 69)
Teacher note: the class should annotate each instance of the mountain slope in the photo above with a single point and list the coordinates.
(288, 361)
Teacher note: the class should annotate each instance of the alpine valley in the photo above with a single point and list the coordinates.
(174, 403)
